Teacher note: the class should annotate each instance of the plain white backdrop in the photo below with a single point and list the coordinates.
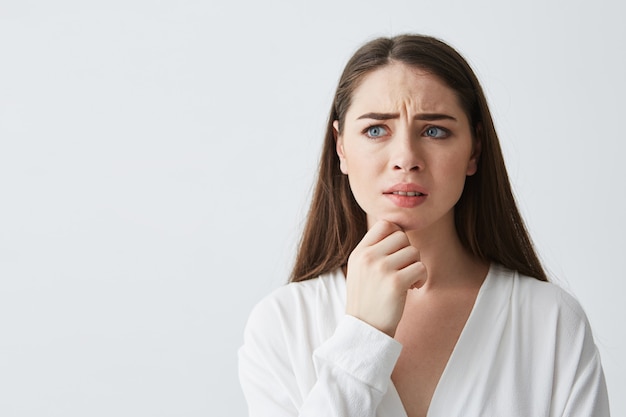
(157, 157)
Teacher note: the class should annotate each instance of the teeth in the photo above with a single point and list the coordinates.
(407, 193)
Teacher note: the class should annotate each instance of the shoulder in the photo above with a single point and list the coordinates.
(545, 304)
(547, 296)
(298, 307)
(304, 295)
(559, 335)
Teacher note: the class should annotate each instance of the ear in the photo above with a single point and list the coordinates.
(343, 165)
(472, 165)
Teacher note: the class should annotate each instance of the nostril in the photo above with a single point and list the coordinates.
(413, 168)
(406, 161)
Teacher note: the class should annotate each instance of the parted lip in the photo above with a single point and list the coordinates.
(405, 187)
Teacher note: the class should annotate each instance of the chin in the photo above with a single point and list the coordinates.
(410, 226)
(407, 223)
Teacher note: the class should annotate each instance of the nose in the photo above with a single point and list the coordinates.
(405, 155)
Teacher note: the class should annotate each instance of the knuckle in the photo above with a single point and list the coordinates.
(385, 223)
(367, 256)
(401, 236)
(385, 263)
(400, 232)
(413, 251)
(389, 226)
(396, 282)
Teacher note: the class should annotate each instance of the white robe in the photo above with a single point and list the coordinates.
(526, 350)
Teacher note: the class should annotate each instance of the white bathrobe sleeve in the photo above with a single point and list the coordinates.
(579, 366)
(347, 375)
(588, 396)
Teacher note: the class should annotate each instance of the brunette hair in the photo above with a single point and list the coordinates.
(487, 220)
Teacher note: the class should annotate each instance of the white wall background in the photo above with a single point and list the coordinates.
(156, 159)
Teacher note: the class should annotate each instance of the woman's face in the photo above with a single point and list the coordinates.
(407, 147)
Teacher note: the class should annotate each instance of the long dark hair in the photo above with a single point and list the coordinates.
(487, 220)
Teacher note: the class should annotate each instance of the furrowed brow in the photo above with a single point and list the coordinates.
(379, 116)
(429, 117)
(422, 116)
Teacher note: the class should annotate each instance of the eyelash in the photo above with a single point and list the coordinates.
(367, 129)
(445, 132)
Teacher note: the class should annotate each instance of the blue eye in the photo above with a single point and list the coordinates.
(376, 131)
(436, 132)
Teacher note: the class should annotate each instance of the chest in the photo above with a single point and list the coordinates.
(428, 334)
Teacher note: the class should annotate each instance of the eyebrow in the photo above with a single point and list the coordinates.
(421, 116)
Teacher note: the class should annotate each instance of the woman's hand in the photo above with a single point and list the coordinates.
(381, 269)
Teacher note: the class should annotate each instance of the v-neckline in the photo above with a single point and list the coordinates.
(458, 347)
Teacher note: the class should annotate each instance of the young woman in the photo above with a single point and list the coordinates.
(416, 289)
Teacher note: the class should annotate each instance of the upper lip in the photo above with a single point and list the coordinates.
(406, 188)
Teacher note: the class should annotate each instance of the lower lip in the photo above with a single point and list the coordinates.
(406, 201)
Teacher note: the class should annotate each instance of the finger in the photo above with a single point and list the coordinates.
(414, 275)
(380, 230)
(390, 244)
(402, 258)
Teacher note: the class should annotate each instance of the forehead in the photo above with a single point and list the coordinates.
(397, 87)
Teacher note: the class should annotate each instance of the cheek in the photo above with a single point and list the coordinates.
(363, 175)
(452, 173)
(360, 163)
(360, 178)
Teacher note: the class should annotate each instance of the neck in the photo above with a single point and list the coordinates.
(446, 259)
